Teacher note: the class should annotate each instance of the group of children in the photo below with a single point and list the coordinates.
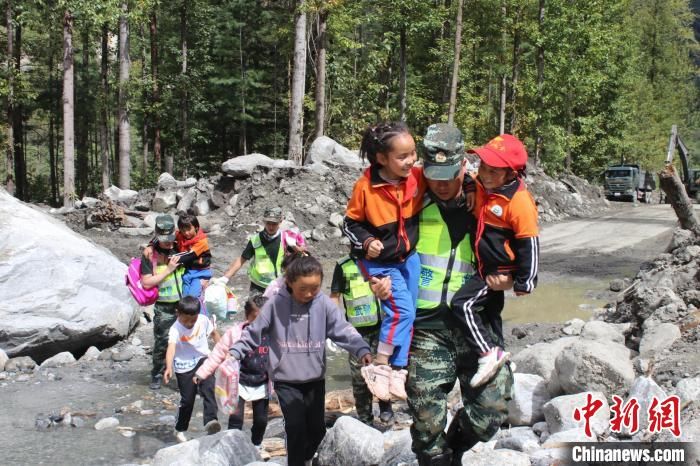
(281, 344)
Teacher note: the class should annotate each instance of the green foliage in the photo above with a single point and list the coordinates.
(617, 75)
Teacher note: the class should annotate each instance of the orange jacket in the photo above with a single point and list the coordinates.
(199, 256)
(384, 211)
(506, 239)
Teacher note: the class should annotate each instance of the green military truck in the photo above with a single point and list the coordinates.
(629, 182)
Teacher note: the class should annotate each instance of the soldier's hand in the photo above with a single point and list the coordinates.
(470, 200)
(366, 360)
(381, 287)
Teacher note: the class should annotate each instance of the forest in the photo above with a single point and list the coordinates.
(114, 92)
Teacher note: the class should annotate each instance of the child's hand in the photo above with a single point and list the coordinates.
(167, 375)
(374, 249)
(195, 380)
(499, 281)
(173, 263)
(469, 200)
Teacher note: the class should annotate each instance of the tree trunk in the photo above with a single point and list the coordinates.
(68, 105)
(81, 143)
(124, 135)
(21, 190)
(184, 139)
(540, 84)
(169, 162)
(404, 72)
(10, 150)
(677, 196)
(155, 94)
(144, 130)
(502, 107)
(321, 74)
(104, 115)
(296, 108)
(455, 67)
(243, 143)
(515, 72)
(52, 119)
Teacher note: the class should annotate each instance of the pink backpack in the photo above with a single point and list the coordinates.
(143, 296)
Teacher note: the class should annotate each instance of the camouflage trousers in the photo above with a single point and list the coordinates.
(438, 358)
(363, 397)
(163, 319)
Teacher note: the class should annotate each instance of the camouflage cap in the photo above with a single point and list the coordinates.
(165, 228)
(273, 214)
(443, 152)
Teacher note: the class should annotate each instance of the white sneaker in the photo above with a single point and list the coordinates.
(180, 437)
(378, 380)
(489, 364)
(397, 385)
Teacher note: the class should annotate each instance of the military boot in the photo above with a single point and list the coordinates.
(441, 459)
(460, 438)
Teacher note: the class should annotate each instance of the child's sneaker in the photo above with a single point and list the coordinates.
(397, 387)
(180, 437)
(489, 364)
(378, 380)
(212, 427)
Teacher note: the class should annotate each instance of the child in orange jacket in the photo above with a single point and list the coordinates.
(506, 243)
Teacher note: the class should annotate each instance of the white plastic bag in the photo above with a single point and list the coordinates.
(216, 299)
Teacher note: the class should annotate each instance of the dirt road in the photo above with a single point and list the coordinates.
(610, 245)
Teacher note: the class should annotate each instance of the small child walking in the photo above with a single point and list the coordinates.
(254, 382)
(506, 243)
(381, 221)
(187, 350)
(193, 245)
(298, 319)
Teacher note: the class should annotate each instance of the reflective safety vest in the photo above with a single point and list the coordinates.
(361, 307)
(170, 289)
(262, 271)
(443, 269)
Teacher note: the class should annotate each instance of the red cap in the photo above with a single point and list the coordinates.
(504, 151)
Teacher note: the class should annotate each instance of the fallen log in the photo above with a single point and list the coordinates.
(678, 198)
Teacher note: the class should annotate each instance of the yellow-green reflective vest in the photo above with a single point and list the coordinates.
(170, 289)
(262, 270)
(443, 269)
(361, 307)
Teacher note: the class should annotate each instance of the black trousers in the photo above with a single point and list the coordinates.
(235, 420)
(303, 407)
(475, 305)
(188, 392)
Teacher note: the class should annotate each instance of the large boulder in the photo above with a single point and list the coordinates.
(539, 359)
(244, 165)
(495, 458)
(60, 291)
(657, 338)
(124, 196)
(529, 395)
(327, 151)
(559, 413)
(228, 448)
(163, 201)
(595, 365)
(351, 443)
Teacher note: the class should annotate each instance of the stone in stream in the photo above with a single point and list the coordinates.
(107, 423)
(61, 359)
(227, 448)
(3, 360)
(559, 413)
(529, 395)
(351, 443)
(595, 365)
(539, 359)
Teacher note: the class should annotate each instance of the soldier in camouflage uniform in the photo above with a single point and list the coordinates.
(439, 353)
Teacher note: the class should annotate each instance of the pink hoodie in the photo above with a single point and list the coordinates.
(220, 352)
